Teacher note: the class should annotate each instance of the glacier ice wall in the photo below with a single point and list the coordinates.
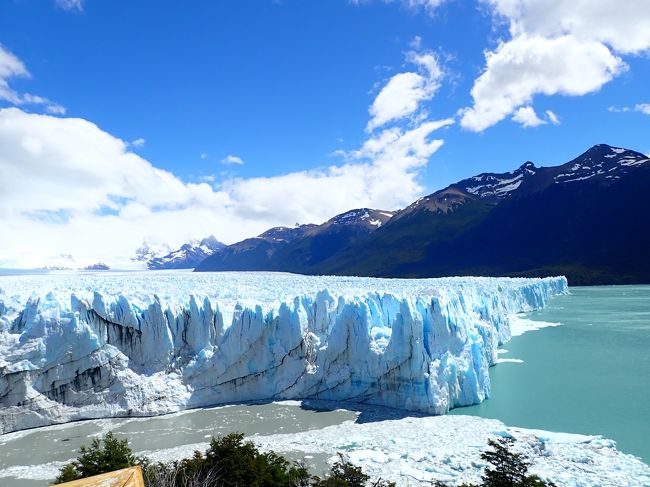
(100, 345)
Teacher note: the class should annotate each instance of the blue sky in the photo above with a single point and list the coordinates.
(284, 87)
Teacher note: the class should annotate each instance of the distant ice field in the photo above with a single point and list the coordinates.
(248, 289)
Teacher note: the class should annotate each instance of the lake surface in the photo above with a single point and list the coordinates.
(590, 375)
(43, 450)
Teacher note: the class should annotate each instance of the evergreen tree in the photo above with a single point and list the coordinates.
(345, 474)
(508, 469)
(103, 455)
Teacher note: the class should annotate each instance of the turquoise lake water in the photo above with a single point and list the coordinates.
(591, 375)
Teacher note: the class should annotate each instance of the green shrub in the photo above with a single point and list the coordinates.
(506, 468)
(103, 455)
(345, 474)
(235, 462)
(230, 461)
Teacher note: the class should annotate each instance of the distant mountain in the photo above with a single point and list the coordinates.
(588, 219)
(188, 256)
(61, 262)
(299, 249)
(148, 251)
(99, 266)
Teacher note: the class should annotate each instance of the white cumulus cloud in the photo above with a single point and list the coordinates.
(405, 92)
(527, 117)
(625, 26)
(525, 66)
(69, 187)
(555, 47)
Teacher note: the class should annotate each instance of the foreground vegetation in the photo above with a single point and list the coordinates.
(230, 461)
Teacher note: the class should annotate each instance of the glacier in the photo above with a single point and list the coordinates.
(89, 345)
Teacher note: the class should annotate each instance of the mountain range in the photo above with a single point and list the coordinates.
(301, 249)
(588, 219)
(188, 256)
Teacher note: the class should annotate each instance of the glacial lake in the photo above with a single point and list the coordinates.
(590, 375)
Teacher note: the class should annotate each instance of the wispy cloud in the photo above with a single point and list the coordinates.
(12, 67)
(71, 5)
(639, 107)
(428, 6)
(643, 108)
(230, 159)
(553, 118)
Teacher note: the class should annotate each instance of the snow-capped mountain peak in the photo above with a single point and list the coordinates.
(188, 256)
(602, 162)
(496, 186)
(150, 250)
(362, 216)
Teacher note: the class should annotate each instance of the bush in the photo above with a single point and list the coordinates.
(231, 462)
(345, 474)
(101, 456)
(507, 469)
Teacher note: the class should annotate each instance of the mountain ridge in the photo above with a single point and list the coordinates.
(532, 221)
(188, 256)
(302, 247)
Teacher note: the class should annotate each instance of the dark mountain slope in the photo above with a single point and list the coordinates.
(301, 249)
(403, 240)
(253, 254)
(591, 234)
(588, 219)
(306, 255)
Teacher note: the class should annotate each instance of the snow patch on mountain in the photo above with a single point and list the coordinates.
(497, 186)
(600, 159)
(375, 218)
